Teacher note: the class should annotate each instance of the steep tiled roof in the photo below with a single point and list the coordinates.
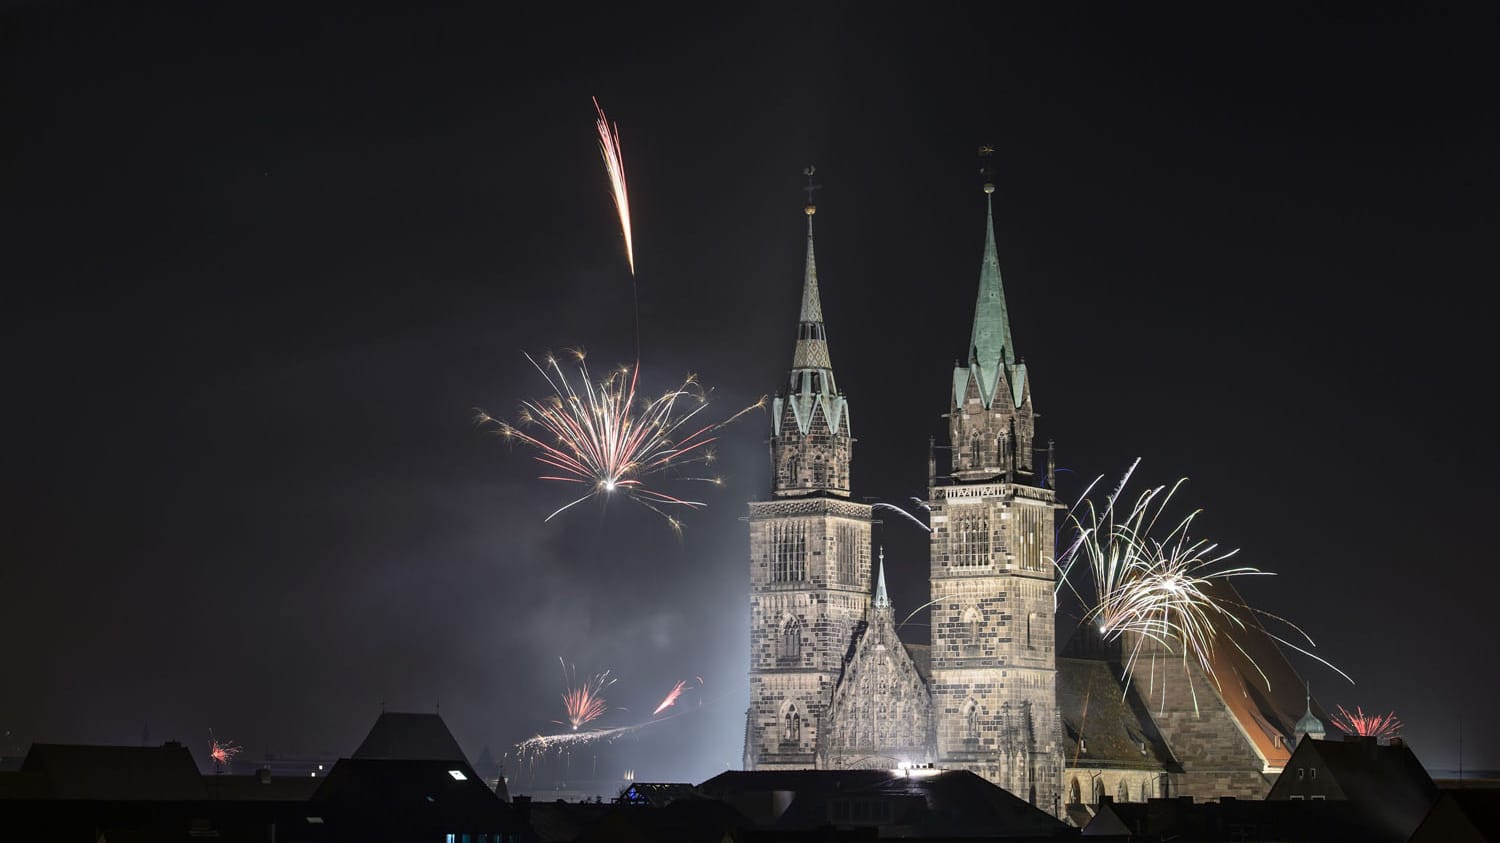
(411, 737)
(116, 772)
(1116, 730)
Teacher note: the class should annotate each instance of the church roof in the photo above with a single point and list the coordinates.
(1115, 728)
(116, 773)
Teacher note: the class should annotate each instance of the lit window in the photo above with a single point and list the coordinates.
(315, 820)
(458, 775)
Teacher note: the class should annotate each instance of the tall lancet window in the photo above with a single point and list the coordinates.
(973, 535)
(788, 551)
(791, 640)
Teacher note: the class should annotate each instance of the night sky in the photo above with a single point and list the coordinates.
(261, 265)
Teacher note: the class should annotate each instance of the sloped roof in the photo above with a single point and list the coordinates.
(949, 803)
(252, 788)
(116, 773)
(1111, 719)
(1387, 783)
(410, 737)
(1256, 681)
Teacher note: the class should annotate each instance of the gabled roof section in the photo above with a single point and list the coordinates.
(116, 773)
(405, 736)
(1112, 721)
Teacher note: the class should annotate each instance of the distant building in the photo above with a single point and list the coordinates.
(1386, 784)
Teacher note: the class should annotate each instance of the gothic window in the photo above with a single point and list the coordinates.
(973, 621)
(1075, 794)
(974, 450)
(820, 472)
(788, 551)
(1122, 793)
(1098, 791)
(791, 725)
(973, 536)
(847, 553)
(971, 721)
(791, 640)
(1030, 619)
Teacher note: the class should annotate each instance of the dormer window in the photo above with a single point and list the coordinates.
(458, 775)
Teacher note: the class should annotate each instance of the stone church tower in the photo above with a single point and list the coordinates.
(809, 554)
(994, 669)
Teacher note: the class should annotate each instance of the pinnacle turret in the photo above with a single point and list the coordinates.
(882, 600)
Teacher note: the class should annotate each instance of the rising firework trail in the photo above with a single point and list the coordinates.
(1159, 590)
(583, 701)
(672, 695)
(614, 165)
(1378, 726)
(605, 438)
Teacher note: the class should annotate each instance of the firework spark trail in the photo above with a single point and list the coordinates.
(1378, 726)
(614, 164)
(609, 440)
(671, 697)
(1159, 589)
(583, 701)
(912, 518)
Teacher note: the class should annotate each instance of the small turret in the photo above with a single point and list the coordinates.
(1308, 725)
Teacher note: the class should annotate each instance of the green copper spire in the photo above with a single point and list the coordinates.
(812, 340)
(990, 345)
(882, 601)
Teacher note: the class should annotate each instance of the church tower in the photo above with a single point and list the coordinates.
(994, 669)
(809, 552)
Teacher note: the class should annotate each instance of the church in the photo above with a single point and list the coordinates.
(834, 686)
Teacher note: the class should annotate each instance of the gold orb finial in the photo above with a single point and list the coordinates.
(988, 188)
(810, 209)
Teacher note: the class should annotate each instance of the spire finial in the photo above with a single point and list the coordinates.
(810, 208)
(985, 152)
(882, 600)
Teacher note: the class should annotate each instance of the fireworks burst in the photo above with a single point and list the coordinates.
(222, 752)
(614, 163)
(601, 436)
(1159, 589)
(1378, 726)
(583, 702)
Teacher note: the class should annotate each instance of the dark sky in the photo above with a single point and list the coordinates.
(261, 264)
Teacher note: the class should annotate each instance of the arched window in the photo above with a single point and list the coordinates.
(794, 471)
(1122, 792)
(1075, 794)
(791, 724)
(788, 551)
(973, 621)
(820, 471)
(1098, 791)
(975, 460)
(791, 640)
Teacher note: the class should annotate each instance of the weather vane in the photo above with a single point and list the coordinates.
(808, 171)
(985, 169)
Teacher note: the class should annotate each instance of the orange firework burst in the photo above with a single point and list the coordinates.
(1379, 726)
(601, 436)
(583, 702)
(614, 164)
(222, 752)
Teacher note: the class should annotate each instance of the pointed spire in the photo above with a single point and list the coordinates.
(882, 600)
(990, 345)
(812, 341)
(1309, 724)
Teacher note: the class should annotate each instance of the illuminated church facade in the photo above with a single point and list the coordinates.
(832, 684)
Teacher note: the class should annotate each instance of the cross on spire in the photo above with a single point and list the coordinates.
(986, 151)
(808, 171)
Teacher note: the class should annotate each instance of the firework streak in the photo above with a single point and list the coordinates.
(222, 752)
(1379, 726)
(614, 163)
(912, 518)
(1158, 589)
(602, 437)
